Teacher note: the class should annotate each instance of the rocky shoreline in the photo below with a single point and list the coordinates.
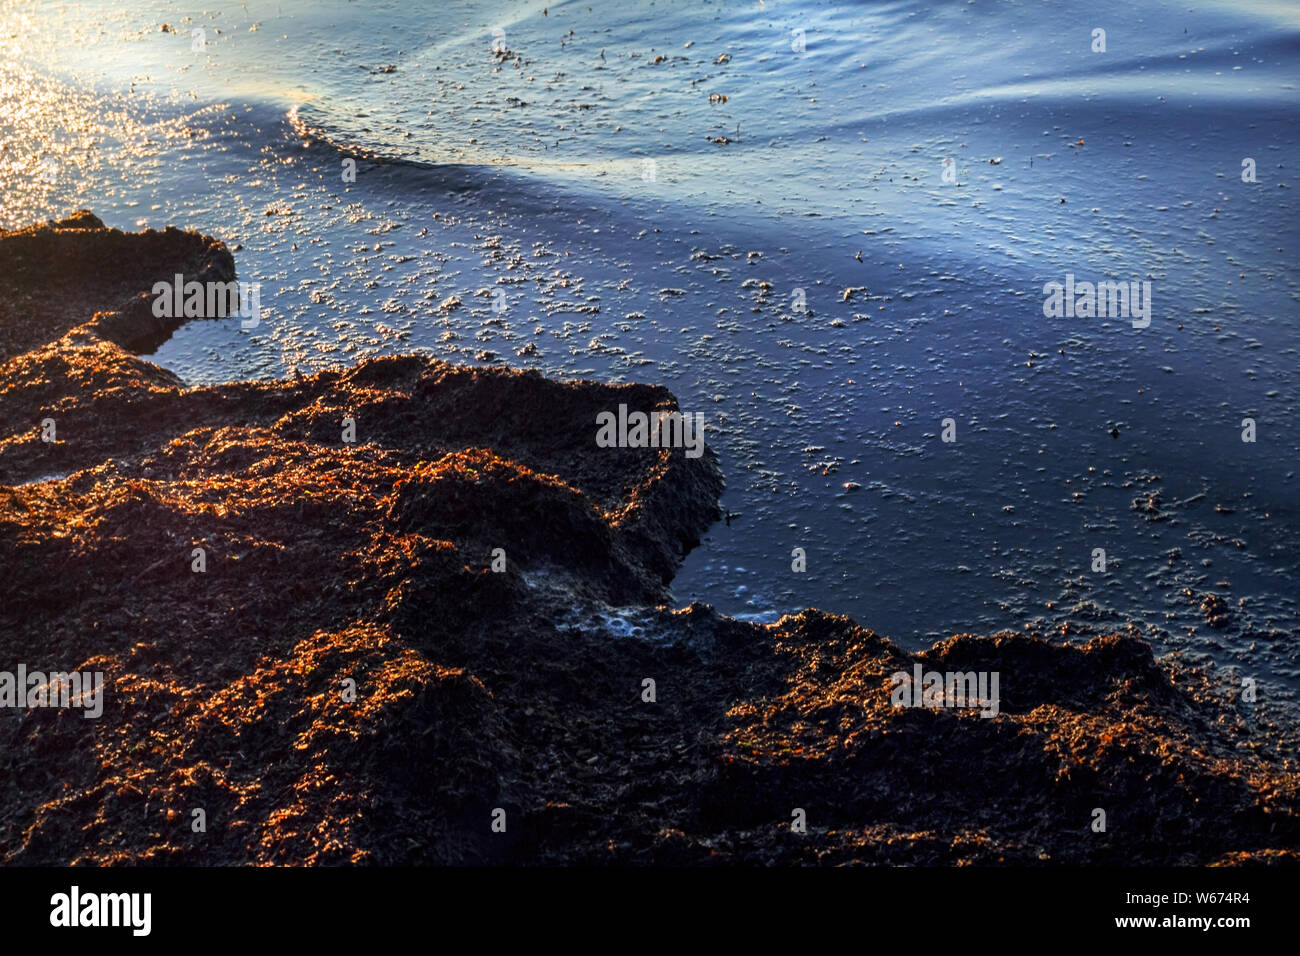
(358, 675)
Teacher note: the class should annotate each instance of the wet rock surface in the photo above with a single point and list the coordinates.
(331, 565)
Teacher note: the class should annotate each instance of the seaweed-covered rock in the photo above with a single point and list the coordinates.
(371, 651)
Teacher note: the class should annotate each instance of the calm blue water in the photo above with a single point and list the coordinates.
(571, 158)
